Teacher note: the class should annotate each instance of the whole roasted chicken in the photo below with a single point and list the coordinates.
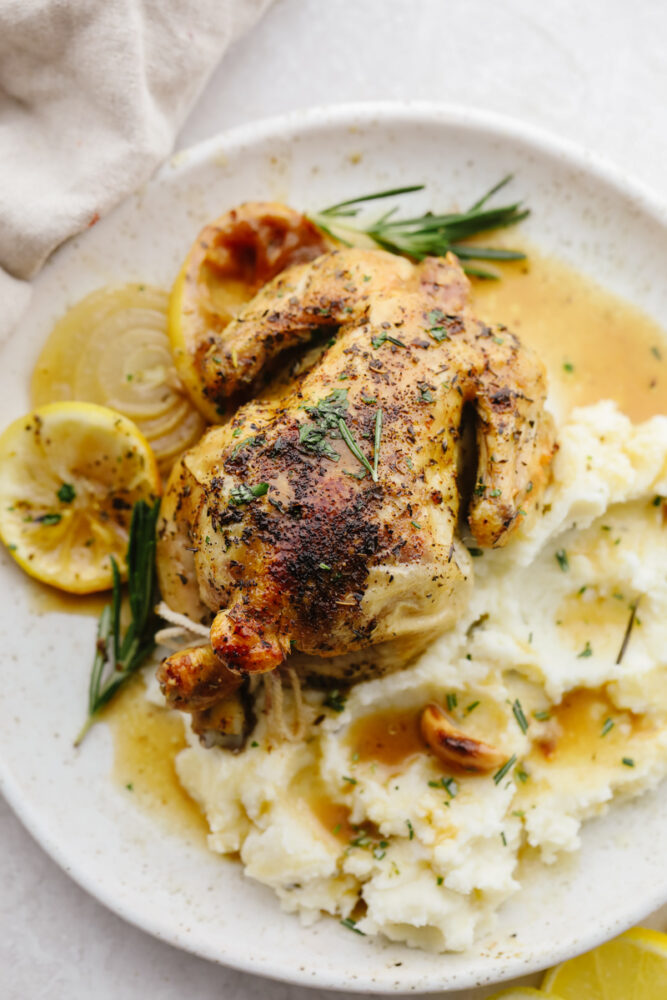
(323, 520)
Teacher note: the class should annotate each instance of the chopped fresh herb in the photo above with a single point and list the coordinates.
(628, 631)
(529, 487)
(130, 786)
(325, 416)
(472, 706)
(655, 351)
(542, 716)
(352, 781)
(507, 766)
(586, 651)
(439, 880)
(416, 524)
(410, 827)
(336, 830)
(475, 553)
(254, 743)
(520, 774)
(335, 700)
(628, 761)
(383, 338)
(429, 234)
(452, 701)
(425, 394)
(66, 493)
(124, 657)
(519, 813)
(253, 439)
(562, 560)
(237, 432)
(607, 726)
(522, 722)
(355, 449)
(49, 519)
(503, 838)
(449, 784)
(246, 494)
(368, 399)
(568, 367)
(352, 926)
(495, 493)
(657, 500)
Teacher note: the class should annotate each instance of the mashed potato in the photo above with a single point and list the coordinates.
(358, 820)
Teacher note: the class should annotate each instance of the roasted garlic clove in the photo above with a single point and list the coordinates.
(453, 747)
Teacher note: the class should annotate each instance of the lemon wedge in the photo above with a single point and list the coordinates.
(112, 348)
(70, 474)
(631, 967)
(228, 263)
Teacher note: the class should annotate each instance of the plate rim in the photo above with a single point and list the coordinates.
(310, 119)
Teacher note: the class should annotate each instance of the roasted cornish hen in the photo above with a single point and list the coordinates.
(325, 520)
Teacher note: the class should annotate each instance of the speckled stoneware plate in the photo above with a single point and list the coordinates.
(582, 212)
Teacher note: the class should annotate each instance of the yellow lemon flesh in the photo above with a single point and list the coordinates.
(112, 348)
(228, 263)
(70, 474)
(631, 967)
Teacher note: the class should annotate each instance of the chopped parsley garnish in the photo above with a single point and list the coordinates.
(410, 827)
(246, 494)
(607, 726)
(503, 838)
(425, 394)
(586, 651)
(522, 722)
(452, 701)
(324, 566)
(507, 766)
(325, 417)
(66, 493)
(472, 706)
(439, 880)
(568, 366)
(628, 761)
(562, 560)
(542, 716)
(520, 774)
(335, 700)
(351, 781)
(657, 500)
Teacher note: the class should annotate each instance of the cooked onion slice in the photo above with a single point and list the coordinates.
(112, 348)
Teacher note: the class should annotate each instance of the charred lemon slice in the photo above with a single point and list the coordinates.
(70, 474)
(227, 265)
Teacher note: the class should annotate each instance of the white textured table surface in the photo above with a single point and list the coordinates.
(595, 73)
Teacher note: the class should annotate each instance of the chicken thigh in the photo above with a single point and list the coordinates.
(325, 520)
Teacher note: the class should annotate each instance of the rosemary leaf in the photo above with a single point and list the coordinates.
(355, 449)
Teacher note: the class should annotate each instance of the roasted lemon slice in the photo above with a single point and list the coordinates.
(227, 265)
(70, 474)
(631, 967)
(112, 348)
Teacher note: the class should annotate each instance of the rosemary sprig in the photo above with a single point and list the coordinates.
(428, 234)
(117, 659)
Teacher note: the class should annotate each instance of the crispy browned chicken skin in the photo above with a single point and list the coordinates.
(292, 542)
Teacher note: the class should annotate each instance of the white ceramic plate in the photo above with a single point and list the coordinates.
(582, 212)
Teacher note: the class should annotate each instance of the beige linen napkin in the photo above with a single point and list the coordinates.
(92, 94)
